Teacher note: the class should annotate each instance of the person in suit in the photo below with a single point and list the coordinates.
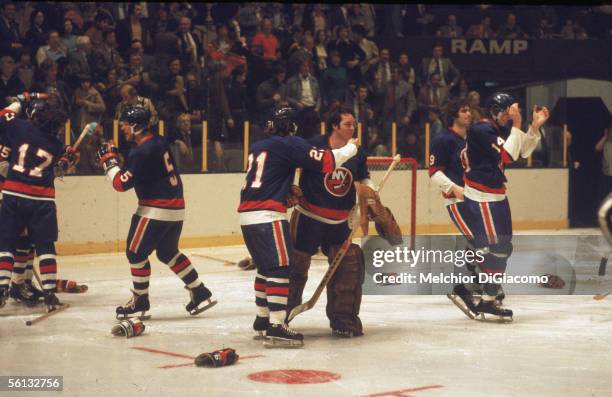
(189, 43)
(10, 42)
(304, 94)
(433, 97)
(444, 67)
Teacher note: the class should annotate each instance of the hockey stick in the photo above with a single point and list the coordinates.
(48, 314)
(89, 129)
(599, 297)
(338, 258)
(225, 261)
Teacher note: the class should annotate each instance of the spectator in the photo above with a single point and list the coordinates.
(190, 47)
(567, 31)
(221, 45)
(89, 107)
(267, 40)
(220, 118)
(444, 67)
(544, 30)
(130, 97)
(579, 31)
(303, 93)
(362, 15)
(304, 53)
(162, 23)
(435, 123)
(134, 27)
(173, 100)
(25, 70)
(10, 42)
(298, 16)
(351, 55)
(237, 98)
(399, 103)
(320, 51)
(420, 20)
(149, 62)
(481, 30)
(463, 89)
(10, 85)
(293, 43)
(36, 36)
(510, 30)
(279, 18)
(379, 77)
(319, 19)
(78, 61)
(106, 56)
(409, 146)
(103, 22)
(362, 110)
(270, 93)
(369, 48)
(47, 81)
(196, 98)
(69, 39)
(53, 50)
(109, 88)
(433, 96)
(335, 80)
(179, 139)
(338, 16)
(248, 18)
(451, 29)
(136, 75)
(406, 70)
(473, 98)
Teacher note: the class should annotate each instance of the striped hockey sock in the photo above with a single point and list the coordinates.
(277, 290)
(20, 266)
(48, 272)
(261, 300)
(6, 267)
(181, 266)
(141, 272)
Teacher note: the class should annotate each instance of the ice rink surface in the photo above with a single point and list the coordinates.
(420, 346)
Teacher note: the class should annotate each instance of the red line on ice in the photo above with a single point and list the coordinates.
(400, 393)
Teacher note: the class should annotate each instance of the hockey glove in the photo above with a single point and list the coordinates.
(128, 328)
(218, 358)
(107, 156)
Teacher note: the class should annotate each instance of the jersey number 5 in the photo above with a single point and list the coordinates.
(172, 178)
(37, 171)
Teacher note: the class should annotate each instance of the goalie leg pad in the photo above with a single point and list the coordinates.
(387, 226)
(128, 328)
(344, 291)
(218, 358)
(297, 278)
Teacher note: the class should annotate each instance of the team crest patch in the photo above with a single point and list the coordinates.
(338, 182)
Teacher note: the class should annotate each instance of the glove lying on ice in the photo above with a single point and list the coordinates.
(218, 358)
(70, 286)
(128, 328)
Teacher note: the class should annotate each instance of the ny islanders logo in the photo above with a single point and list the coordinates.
(338, 182)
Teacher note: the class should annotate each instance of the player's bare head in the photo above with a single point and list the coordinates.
(282, 122)
(342, 123)
(47, 115)
(459, 112)
(497, 106)
(134, 121)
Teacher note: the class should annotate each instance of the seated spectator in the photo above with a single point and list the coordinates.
(69, 39)
(88, 107)
(79, 60)
(334, 83)
(149, 62)
(179, 139)
(320, 52)
(109, 88)
(369, 48)
(433, 96)
(481, 30)
(379, 74)
(362, 15)
(410, 146)
(444, 67)
(406, 70)
(173, 100)
(136, 75)
(53, 50)
(106, 56)
(10, 42)
(103, 22)
(10, 85)
(351, 55)
(25, 69)
(267, 40)
(130, 97)
(270, 93)
(364, 114)
(304, 53)
(451, 29)
(196, 97)
(511, 30)
(303, 93)
(435, 123)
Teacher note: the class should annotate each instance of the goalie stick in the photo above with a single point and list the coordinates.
(339, 256)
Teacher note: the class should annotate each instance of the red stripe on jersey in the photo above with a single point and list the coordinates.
(38, 191)
(117, 182)
(6, 266)
(51, 268)
(433, 170)
(484, 188)
(260, 287)
(280, 244)
(329, 213)
(271, 205)
(146, 138)
(180, 266)
(141, 272)
(328, 162)
(282, 291)
(505, 156)
(164, 203)
(1, 185)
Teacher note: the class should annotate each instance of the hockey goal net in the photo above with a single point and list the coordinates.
(399, 193)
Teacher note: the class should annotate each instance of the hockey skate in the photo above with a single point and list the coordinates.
(137, 303)
(25, 293)
(52, 302)
(486, 309)
(3, 295)
(201, 299)
(280, 335)
(260, 325)
(463, 299)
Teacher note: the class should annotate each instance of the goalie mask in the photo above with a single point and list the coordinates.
(282, 122)
(498, 103)
(137, 117)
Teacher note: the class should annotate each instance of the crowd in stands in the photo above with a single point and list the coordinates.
(227, 63)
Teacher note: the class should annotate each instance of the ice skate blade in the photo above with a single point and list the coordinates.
(142, 317)
(459, 303)
(209, 303)
(273, 342)
(492, 318)
(260, 335)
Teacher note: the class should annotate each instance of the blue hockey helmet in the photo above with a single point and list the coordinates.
(282, 122)
(497, 103)
(47, 114)
(137, 116)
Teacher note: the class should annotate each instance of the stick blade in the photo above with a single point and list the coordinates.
(297, 310)
(599, 297)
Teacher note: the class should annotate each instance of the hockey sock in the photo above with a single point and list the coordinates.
(277, 291)
(141, 272)
(48, 266)
(6, 267)
(29, 266)
(20, 266)
(261, 300)
(181, 266)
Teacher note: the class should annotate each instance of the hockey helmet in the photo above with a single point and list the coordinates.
(497, 103)
(46, 115)
(282, 121)
(136, 116)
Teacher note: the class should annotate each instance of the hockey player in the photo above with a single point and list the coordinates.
(492, 143)
(321, 219)
(158, 221)
(272, 163)
(28, 193)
